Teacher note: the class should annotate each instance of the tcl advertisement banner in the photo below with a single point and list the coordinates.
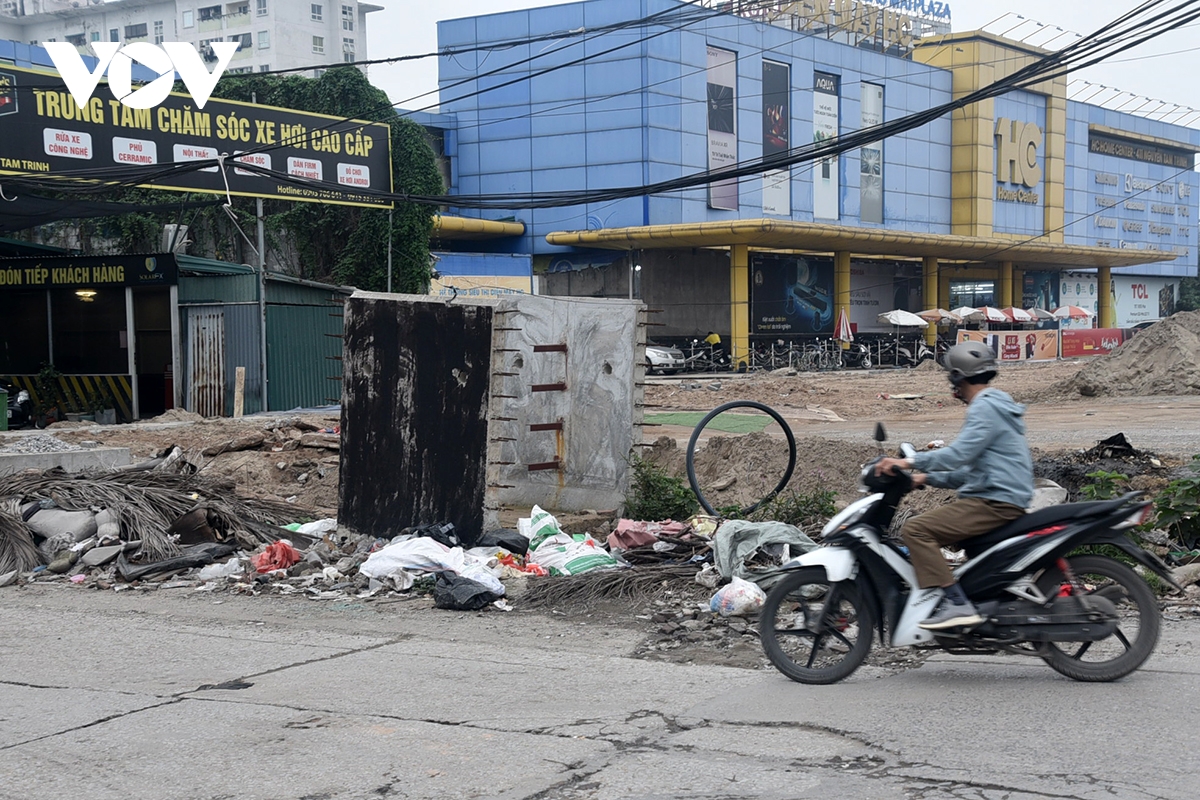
(1016, 345)
(791, 295)
(1143, 299)
(722, 125)
(1091, 342)
(776, 124)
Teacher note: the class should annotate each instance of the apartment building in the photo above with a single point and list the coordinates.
(272, 34)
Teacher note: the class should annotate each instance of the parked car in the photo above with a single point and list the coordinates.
(664, 360)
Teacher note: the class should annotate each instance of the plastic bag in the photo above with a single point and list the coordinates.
(421, 554)
(739, 598)
(563, 554)
(279, 555)
(461, 594)
(230, 569)
(481, 574)
(512, 541)
(540, 526)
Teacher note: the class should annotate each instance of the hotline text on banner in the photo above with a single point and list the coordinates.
(45, 131)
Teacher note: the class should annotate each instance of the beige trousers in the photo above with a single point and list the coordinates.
(965, 518)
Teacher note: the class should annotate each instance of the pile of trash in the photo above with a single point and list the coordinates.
(1114, 454)
(1164, 359)
(162, 524)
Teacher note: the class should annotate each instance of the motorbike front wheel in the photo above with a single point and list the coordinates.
(815, 631)
(1137, 627)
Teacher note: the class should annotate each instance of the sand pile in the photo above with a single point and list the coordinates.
(1163, 359)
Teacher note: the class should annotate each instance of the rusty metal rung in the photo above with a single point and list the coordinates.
(548, 387)
(334, 335)
(333, 358)
(508, 329)
(508, 374)
(547, 426)
(549, 348)
(504, 419)
(501, 486)
(502, 439)
(506, 396)
(650, 424)
(555, 464)
(501, 463)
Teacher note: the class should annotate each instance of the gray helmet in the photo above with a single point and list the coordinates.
(969, 359)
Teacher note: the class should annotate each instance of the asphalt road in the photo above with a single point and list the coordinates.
(188, 695)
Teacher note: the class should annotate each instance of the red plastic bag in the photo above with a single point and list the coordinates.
(279, 555)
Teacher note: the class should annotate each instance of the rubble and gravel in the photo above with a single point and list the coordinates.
(39, 443)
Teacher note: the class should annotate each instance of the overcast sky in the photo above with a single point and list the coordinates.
(410, 26)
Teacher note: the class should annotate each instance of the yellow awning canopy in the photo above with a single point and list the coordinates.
(777, 234)
(470, 228)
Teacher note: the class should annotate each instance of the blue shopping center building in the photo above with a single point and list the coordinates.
(1027, 199)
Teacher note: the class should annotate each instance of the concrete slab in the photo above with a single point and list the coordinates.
(70, 461)
(205, 749)
(32, 712)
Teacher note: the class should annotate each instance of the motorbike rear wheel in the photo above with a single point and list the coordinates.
(814, 631)
(1137, 630)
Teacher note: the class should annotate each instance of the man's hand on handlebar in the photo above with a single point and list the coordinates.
(888, 466)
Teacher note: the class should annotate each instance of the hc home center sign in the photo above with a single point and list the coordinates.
(170, 58)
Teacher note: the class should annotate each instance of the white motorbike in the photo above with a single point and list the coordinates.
(1087, 615)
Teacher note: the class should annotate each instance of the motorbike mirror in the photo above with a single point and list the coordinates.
(880, 433)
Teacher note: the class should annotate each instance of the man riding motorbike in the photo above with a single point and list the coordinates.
(990, 466)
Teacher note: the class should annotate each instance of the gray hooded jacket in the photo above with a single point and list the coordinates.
(990, 458)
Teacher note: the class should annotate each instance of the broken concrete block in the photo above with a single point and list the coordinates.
(99, 556)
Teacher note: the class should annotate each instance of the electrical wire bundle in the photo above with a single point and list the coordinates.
(1149, 20)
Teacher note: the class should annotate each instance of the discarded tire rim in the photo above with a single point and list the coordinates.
(716, 412)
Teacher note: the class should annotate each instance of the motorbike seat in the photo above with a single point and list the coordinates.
(1040, 519)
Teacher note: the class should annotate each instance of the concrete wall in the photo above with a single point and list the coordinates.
(442, 400)
(414, 414)
(599, 407)
(70, 461)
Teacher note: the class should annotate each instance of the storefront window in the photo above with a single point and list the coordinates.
(89, 331)
(24, 346)
(972, 293)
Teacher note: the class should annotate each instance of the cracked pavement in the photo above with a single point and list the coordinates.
(173, 694)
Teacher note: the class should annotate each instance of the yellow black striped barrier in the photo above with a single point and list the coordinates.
(72, 392)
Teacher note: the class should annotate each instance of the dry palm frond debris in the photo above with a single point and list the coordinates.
(632, 585)
(147, 504)
(17, 549)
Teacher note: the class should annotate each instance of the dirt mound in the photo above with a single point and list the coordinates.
(742, 469)
(1162, 360)
(177, 415)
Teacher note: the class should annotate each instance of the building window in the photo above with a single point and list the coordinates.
(158, 31)
(241, 70)
(318, 44)
(264, 67)
(189, 19)
(244, 40)
(318, 73)
(315, 9)
(264, 40)
(210, 12)
(348, 50)
(347, 18)
(135, 31)
(114, 35)
(77, 39)
(244, 8)
(94, 36)
(261, 8)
